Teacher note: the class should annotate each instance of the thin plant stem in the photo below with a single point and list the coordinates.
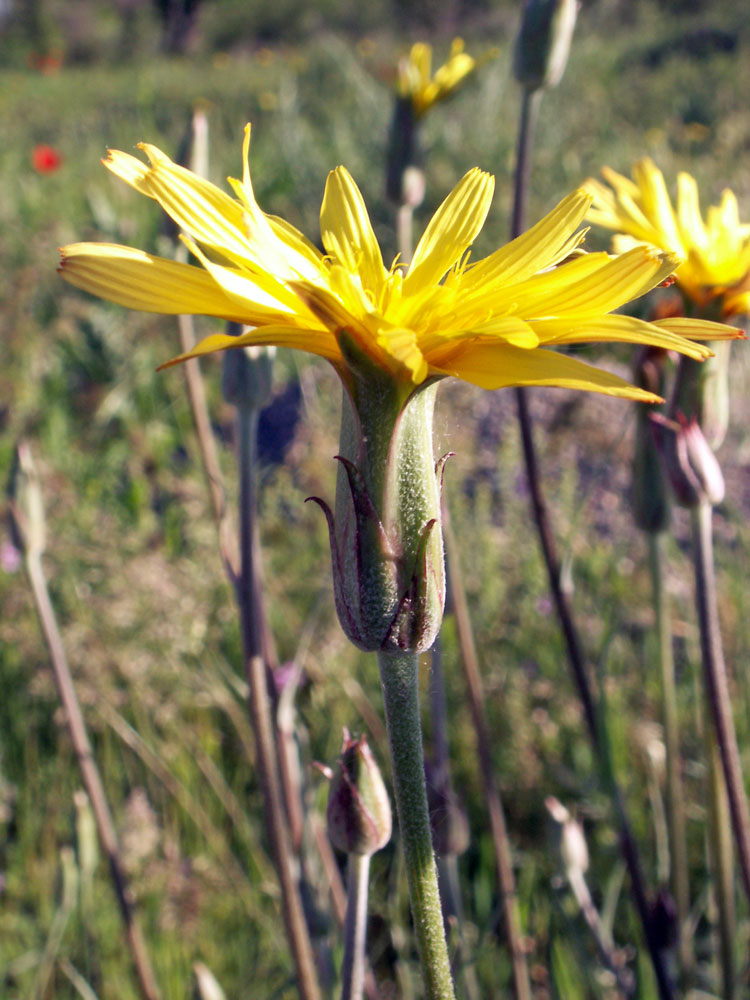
(610, 956)
(338, 892)
(262, 720)
(529, 111)
(717, 685)
(500, 839)
(404, 231)
(355, 927)
(678, 868)
(722, 862)
(450, 883)
(206, 440)
(399, 679)
(527, 120)
(60, 920)
(91, 777)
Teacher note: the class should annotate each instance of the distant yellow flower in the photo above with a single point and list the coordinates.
(715, 253)
(415, 81)
(485, 322)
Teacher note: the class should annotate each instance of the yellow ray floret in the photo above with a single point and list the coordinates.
(415, 79)
(487, 322)
(715, 253)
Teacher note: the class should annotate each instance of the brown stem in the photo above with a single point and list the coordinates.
(262, 719)
(529, 109)
(91, 778)
(717, 686)
(500, 840)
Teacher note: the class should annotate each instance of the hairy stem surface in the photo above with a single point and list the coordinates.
(399, 677)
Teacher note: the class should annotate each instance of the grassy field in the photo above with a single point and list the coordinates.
(147, 617)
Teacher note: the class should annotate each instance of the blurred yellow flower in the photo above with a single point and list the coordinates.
(485, 322)
(715, 253)
(415, 80)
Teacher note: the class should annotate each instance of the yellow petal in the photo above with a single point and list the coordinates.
(617, 328)
(259, 294)
(403, 356)
(201, 210)
(699, 329)
(737, 304)
(452, 229)
(536, 249)
(276, 244)
(312, 341)
(618, 281)
(657, 205)
(495, 366)
(347, 233)
(689, 213)
(138, 280)
(129, 168)
(508, 329)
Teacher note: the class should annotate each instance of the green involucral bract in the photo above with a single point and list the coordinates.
(386, 540)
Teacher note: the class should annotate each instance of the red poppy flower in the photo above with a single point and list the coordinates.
(45, 159)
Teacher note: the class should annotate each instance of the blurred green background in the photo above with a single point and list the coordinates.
(147, 617)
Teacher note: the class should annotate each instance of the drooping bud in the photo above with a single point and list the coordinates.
(543, 42)
(386, 539)
(692, 467)
(650, 491)
(359, 811)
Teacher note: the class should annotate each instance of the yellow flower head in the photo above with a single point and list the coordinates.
(415, 81)
(715, 254)
(488, 322)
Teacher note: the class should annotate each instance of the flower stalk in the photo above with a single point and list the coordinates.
(717, 685)
(355, 927)
(399, 679)
(248, 598)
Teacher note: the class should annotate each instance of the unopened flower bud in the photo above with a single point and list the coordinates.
(694, 472)
(247, 373)
(359, 811)
(543, 42)
(650, 492)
